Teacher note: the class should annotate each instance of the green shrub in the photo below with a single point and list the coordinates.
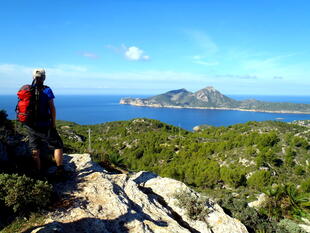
(235, 177)
(291, 226)
(286, 200)
(207, 173)
(3, 117)
(24, 194)
(299, 170)
(289, 156)
(260, 160)
(251, 151)
(251, 218)
(4, 122)
(116, 159)
(305, 185)
(21, 223)
(300, 142)
(260, 179)
(196, 207)
(268, 139)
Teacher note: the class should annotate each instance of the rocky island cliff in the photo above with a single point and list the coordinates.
(210, 98)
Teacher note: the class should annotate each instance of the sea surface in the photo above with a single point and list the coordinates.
(104, 108)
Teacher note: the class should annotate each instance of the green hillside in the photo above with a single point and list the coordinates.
(232, 164)
(277, 147)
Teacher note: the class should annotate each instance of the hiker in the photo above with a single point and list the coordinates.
(39, 118)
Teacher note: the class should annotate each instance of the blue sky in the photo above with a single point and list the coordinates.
(149, 47)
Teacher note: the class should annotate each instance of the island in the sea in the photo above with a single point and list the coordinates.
(210, 98)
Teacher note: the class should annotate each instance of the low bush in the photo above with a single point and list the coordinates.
(286, 200)
(305, 185)
(23, 194)
(260, 179)
(251, 218)
(196, 207)
(234, 177)
(291, 226)
(299, 170)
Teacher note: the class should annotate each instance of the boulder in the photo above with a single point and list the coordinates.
(94, 200)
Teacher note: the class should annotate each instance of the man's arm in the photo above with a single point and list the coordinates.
(53, 112)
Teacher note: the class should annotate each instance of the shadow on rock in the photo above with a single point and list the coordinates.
(95, 225)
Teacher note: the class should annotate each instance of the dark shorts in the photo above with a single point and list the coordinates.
(43, 134)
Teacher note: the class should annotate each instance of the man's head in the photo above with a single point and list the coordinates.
(38, 75)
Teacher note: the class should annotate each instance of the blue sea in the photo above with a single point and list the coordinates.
(103, 108)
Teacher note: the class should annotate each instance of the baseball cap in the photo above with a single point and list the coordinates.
(38, 73)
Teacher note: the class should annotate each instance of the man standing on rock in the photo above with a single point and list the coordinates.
(42, 126)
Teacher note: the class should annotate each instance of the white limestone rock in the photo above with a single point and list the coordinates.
(98, 201)
(306, 228)
(260, 202)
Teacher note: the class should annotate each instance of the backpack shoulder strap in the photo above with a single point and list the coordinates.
(26, 87)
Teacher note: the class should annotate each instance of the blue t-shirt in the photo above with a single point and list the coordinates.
(44, 114)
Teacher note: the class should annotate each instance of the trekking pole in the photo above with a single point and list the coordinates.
(15, 127)
(37, 95)
(89, 142)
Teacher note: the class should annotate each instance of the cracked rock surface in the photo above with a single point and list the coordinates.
(94, 200)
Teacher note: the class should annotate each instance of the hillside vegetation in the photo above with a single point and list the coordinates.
(239, 161)
(198, 158)
(234, 165)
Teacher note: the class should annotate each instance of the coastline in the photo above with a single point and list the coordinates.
(213, 108)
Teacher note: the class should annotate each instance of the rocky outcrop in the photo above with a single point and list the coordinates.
(94, 200)
(261, 200)
(305, 123)
(211, 97)
(67, 132)
(12, 145)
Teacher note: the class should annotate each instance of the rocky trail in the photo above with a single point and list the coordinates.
(94, 200)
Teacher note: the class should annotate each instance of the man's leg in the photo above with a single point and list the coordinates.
(60, 172)
(55, 140)
(58, 154)
(36, 159)
(34, 145)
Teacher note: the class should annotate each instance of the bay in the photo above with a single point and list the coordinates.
(93, 109)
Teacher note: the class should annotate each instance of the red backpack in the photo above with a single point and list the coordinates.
(24, 108)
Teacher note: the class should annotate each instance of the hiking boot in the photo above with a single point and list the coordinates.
(36, 174)
(60, 174)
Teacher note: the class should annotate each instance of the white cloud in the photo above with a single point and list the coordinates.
(232, 76)
(116, 49)
(14, 76)
(205, 63)
(133, 53)
(199, 60)
(203, 41)
(74, 77)
(208, 48)
(198, 57)
(274, 66)
(11, 69)
(67, 68)
(89, 55)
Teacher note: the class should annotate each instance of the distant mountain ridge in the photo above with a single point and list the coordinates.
(210, 98)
